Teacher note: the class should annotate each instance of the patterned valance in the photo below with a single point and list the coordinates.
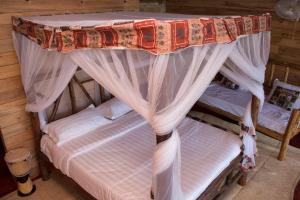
(152, 35)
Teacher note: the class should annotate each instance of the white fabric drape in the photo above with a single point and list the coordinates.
(162, 88)
(246, 63)
(246, 66)
(45, 74)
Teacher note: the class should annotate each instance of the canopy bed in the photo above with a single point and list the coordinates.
(274, 120)
(159, 65)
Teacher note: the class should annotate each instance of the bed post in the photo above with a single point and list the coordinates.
(102, 94)
(254, 110)
(83, 90)
(254, 115)
(44, 170)
(160, 139)
(55, 108)
(42, 159)
(289, 133)
(72, 96)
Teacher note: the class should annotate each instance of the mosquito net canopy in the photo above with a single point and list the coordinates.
(159, 64)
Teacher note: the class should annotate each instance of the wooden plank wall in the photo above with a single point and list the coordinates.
(285, 44)
(285, 72)
(152, 5)
(14, 121)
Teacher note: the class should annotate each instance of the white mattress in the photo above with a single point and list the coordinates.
(120, 168)
(235, 101)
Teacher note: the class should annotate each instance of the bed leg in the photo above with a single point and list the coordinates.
(291, 128)
(44, 167)
(283, 148)
(243, 179)
(45, 173)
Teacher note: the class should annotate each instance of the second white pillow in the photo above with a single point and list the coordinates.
(114, 108)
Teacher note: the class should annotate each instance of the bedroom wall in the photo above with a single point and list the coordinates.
(14, 121)
(285, 44)
(153, 5)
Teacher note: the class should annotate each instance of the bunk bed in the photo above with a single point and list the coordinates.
(274, 121)
(159, 65)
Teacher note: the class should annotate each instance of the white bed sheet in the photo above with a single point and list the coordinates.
(120, 168)
(83, 122)
(60, 155)
(235, 101)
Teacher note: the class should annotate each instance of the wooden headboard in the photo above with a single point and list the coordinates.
(286, 72)
(77, 96)
(76, 81)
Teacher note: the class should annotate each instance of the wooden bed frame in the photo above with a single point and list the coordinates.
(293, 127)
(228, 177)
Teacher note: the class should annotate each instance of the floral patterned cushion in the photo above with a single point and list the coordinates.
(284, 98)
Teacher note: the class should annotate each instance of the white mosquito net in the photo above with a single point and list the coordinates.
(162, 86)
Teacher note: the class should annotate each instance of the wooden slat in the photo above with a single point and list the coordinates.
(84, 90)
(62, 5)
(11, 95)
(6, 46)
(14, 118)
(9, 71)
(5, 31)
(8, 58)
(12, 107)
(286, 75)
(10, 84)
(72, 96)
(284, 71)
(11, 89)
(18, 139)
(271, 77)
(55, 108)
(16, 128)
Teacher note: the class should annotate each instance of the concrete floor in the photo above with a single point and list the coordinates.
(270, 180)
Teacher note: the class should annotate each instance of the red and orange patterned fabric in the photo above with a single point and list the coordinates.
(155, 36)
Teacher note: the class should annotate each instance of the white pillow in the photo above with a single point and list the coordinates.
(76, 125)
(277, 83)
(114, 109)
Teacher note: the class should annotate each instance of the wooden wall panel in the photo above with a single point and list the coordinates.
(285, 34)
(15, 123)
(286, 72)
(152, 5)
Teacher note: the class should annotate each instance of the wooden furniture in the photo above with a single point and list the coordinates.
(229, 176)
(284, 72)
